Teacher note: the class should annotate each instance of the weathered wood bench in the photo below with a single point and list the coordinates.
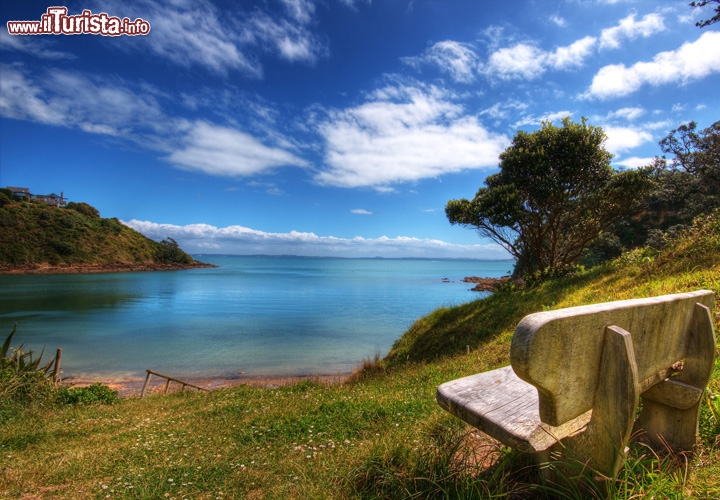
(576, 376)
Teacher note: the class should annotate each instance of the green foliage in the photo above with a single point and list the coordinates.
(169, 252)
(5, 199)
(696, 153)
(93, 394)
(84, 209)
(554, 194)
(712, 20)
(36, 234)
(20, 361)
(26, 385)
(23, 381)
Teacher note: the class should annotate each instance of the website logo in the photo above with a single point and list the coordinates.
(56, 21)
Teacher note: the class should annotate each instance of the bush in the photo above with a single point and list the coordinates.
(23, 383)
(94, 394)
(84, 208)
(169, 252)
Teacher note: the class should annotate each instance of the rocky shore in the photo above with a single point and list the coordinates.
(98, 268)
(485, 284)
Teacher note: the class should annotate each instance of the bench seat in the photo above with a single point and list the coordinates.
(577, 376)
(507, 408)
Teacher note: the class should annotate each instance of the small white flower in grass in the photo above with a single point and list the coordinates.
(170, 480)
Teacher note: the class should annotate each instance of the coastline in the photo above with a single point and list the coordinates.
(132, 387)
(485, 284)
(45, 268)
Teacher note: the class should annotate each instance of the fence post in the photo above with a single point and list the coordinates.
(142, 393)
(56, 371)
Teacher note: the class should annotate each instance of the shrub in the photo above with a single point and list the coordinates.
(169, 252)
(94, 394)
(23, 383)
(84, 208)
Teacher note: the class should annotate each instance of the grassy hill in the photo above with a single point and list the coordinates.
(381, 435)
(35, 235)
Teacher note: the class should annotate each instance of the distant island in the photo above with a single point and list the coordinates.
(37, 237)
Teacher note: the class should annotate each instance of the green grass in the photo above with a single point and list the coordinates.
(382, 436)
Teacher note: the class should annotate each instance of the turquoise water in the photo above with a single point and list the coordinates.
(259, 315)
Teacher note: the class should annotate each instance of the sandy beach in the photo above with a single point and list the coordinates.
(132, 387)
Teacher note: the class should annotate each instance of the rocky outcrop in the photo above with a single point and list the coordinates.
(485, 284)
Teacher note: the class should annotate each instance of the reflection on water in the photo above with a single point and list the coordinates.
(259, 315)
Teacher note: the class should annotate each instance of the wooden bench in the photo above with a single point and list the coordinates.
(577, 374)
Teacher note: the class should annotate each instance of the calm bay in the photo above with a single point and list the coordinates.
(264, 316)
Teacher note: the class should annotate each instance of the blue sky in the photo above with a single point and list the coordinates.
(335, 127)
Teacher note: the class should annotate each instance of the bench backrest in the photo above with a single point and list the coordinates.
(559, 351)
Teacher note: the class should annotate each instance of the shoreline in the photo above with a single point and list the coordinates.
(485, 284)
(80, 268)
(132, 387)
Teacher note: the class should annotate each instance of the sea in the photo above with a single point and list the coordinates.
(260, 315)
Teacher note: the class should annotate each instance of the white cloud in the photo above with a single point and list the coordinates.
(630, 29)
(204, 238)
(693, 60)
(291, 41)
(527, 62)
(537, 120)
(404, 134)
(629, 114)
(502, 110)
(678, 108)
(634, 162)
(361, 211)
(71, 99)
(622, 138)
(99, 106)
(559, 21)
(37, 46)
(455, 58)
(188, 33)
(224, 151)
(300, 10)
(573, 55)
(195, 33)
(521, 61)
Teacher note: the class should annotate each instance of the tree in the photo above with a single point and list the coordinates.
(554, 194)
(170, 252)
(698, 155)
(712, 20)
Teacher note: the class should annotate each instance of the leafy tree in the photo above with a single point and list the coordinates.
(712, 20)
(696, 155)
(554, 194)
(170, 252)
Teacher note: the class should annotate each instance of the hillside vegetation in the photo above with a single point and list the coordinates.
(380, 435)
(35, 235)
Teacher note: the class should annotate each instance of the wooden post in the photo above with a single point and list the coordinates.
(467, 348)
(56, 371)
(167, 384)
(142, 393)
